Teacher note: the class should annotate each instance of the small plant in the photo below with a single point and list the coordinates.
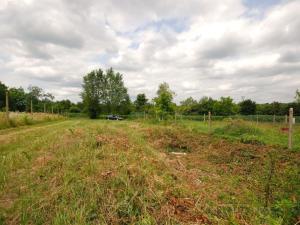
(27, 120)
(252, 139)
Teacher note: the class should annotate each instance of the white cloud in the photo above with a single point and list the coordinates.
(200, 47)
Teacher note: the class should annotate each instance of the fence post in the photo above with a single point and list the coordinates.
(52, 109)
(204, 118)
(209, 120)
(7, 107)
(290, 127)
(31, 110)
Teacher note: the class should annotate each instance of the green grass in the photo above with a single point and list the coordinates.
(267, 133)
(24, 119)
(84, 171)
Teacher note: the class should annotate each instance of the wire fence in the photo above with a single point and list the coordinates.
(153, 116)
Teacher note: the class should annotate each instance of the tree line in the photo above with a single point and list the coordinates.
(36, 99)
(104, 92)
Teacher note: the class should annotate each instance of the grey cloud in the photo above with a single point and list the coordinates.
(53, 43)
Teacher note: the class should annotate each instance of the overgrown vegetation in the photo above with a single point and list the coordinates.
(21, 119)
(105, 172)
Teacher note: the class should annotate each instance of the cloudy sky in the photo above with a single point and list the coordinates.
(214, 48)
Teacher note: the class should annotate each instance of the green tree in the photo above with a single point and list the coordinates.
(105, 92)
(34, 94)
(164, 100)
(17, 99)
(141, 102)
(3, 90)
(297, 97)
(189, 106)
(205, 105)
(117, 94)
(225, 107)
(93, 91)
(247, 107)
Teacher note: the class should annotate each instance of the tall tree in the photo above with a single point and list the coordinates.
(34, 94)
(17, 99)
(3, 90)
(247, 107)
(93, 91)
(140, 102)
(117, 92)
(163, 101)
(104, 91)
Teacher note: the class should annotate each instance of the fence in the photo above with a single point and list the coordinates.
(254, 118)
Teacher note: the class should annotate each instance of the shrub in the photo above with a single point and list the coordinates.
(237, 128)
(252, 139)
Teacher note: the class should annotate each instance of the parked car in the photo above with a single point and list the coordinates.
(114, 117)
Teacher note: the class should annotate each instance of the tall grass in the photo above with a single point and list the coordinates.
(21, 119)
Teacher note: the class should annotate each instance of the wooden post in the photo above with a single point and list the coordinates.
(7, 107)
(209, 120)
(204, 118)
(52, 109)
(31, 108)
(290, 127)
(286, 119)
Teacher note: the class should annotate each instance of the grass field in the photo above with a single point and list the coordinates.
(83, 171)
(23, 119)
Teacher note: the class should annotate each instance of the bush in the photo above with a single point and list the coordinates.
(74, 109)
(237, 128)
(27, 120)
(252, 139)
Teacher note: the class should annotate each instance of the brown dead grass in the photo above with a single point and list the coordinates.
(119, 141)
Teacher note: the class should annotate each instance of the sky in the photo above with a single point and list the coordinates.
(237, 48)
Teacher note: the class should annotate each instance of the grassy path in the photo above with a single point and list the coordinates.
(113, 172)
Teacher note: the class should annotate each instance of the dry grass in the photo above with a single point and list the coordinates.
(21, 119)
(105, 172)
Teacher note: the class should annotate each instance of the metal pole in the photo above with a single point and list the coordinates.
(290, 127)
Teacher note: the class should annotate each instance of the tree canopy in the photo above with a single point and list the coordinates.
(164, 100)
(105, 92)
(247, 107)
(141, 102)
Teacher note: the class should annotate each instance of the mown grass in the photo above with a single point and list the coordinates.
(22, 119)
(124, 172)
